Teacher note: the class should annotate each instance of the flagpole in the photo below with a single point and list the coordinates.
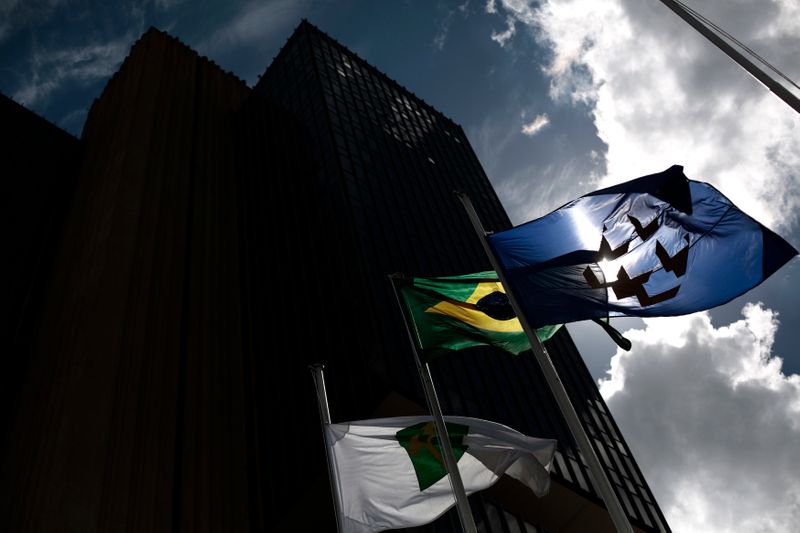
(325, 419)
(613, 505)
(457, 484)
(773, 85)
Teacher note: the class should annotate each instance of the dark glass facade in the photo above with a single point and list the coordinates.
(395, 162)
(220, 240)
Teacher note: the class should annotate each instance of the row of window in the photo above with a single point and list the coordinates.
(398, 163)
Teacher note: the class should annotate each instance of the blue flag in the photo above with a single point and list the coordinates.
(660, 245)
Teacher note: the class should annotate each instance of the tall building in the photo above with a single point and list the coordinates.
(219, 239)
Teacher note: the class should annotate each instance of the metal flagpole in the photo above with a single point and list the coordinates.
(464, 511)
(780, 91)
(325, 419)
(613, 505)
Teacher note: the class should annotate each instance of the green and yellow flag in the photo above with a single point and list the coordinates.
(456, 312)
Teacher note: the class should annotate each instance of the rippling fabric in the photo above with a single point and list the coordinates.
(660, 245)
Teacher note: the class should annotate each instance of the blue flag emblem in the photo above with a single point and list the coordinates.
(660, 245)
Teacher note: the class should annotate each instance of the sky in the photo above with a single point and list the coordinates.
(558, 98)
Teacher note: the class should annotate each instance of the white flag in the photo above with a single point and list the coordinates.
(389, 472)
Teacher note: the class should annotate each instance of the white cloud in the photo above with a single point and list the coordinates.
(444, 28)
(166, 5)
(62, 62)
(516, 11)
(443, 31)
(503, 37)
(535, 126)
(521, 10)
(490, 140)
(552, 188)
(254, 24)
(16, 15)
(6, 8)
(73, 120)
(663, 94)
(51, 69)
(712, 421)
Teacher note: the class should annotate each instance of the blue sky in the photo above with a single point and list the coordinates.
(557, 99)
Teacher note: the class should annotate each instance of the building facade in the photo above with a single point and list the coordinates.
(220, 240)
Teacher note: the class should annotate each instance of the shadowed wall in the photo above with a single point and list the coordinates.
(198, 248)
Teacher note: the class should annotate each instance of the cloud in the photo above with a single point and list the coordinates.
(6, 9)
(166, 5)
(444, 28)
(661, 94)
(516, 11)
(523, 11)
(6, 6)
(70, 60)
(535, 126)
(503, 37)
(16, 15)
(555, 186)
(712, 421)
(490, 140)
(440, 38)
(254, 24)
(72, 121)
(51, 69)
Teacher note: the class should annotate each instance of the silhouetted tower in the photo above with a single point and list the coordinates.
(220, 240)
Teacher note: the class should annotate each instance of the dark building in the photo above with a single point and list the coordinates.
(210, 242)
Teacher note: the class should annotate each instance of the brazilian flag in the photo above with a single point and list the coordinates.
(457, 312)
